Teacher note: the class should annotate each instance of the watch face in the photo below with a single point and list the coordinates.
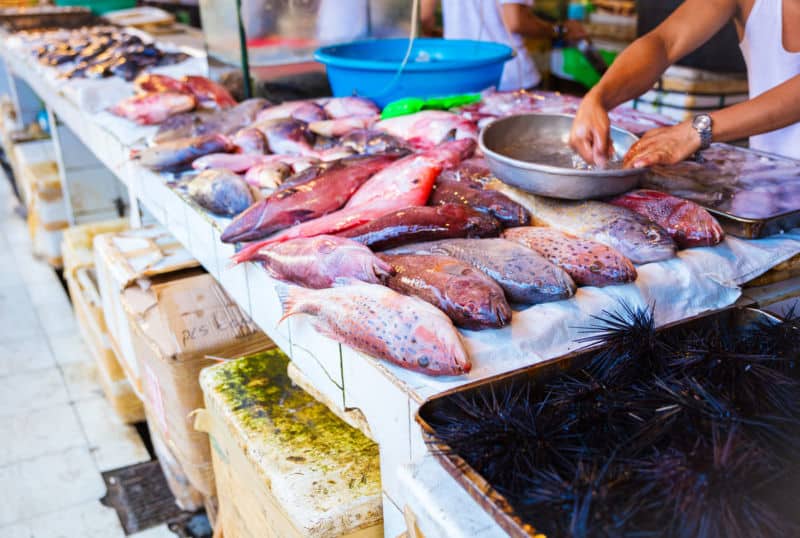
(702, 122)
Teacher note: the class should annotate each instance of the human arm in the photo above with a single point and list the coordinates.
(427, 18)
(639, 67)
(773, 109)
(519, 19)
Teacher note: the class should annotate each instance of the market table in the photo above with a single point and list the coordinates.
(379, 398)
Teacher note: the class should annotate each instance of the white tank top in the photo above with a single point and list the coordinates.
(769, 65)
(481, 20)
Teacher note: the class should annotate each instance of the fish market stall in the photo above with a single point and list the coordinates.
(383, 256)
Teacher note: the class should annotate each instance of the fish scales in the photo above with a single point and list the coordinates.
(636, 237)
(468, 297)
(525, 276)
(588, 263)
(687, 223)
(380, 322)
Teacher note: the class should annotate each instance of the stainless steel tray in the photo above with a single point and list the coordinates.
(496, 505)
(504, 142)
(723, 174)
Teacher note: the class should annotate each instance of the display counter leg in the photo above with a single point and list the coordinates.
(91, 191)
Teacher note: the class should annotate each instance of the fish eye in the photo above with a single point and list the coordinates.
(423, 361)
(653, 235)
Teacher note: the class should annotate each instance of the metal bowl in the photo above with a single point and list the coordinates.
(506, 141)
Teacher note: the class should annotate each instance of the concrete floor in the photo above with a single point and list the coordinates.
(57, 433)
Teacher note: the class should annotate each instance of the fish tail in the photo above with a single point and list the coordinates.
(290, 301)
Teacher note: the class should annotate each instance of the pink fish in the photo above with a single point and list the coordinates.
(274, 169)
(209, 94)
(323, 194)
(250, 140)
(317, 262)
(406, 183)
(428, 128)
(687, 223)
(151, 82)
(384, 324)
(235, 162)
(351, 107)
(588, 263)
(153, 108)
(287, 137)
(306, 111)
(342, 126)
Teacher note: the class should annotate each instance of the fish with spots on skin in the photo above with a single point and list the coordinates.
(317, 262)
(423, 223)
(588, 263)
(525, 276)
(403, 184)
(633, 235)
(380, 322)
(687, 223)
(470, 299)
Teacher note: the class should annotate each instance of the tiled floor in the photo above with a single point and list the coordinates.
(56, 431)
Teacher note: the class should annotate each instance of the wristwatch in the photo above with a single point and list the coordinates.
(559, 32)
(703, 124)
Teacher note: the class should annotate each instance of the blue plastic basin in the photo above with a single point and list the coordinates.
(436, 67)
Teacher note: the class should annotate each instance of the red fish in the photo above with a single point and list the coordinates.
(151, 82)
(317, 262)
(468, 297)
(406, 183)
(415, 224)
(687, 223)
(325, 193)
(382, 323)
(209, 94)
(153, 108)
(588, 263)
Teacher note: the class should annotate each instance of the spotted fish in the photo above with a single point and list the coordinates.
(382, 323)
(637, 238)
(588, 263)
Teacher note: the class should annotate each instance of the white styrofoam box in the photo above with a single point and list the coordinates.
(441, 507)
(93, 190)
(27, 154)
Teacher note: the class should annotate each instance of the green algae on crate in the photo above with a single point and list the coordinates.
(262, 403)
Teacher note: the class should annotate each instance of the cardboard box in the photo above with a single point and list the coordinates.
(285, 466)
(77, 247)
(177, 326)
(133, 258)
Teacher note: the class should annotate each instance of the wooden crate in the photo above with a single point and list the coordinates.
(285, 466)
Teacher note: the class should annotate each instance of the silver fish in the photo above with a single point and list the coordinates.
(222, 192)
(525, 276)
(638, 239)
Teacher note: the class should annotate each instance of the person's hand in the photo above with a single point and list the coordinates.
(590, 132)
(666, 145)
(574, 31)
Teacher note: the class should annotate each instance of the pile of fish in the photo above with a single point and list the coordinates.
(381, 221)
(100, 52)
(159, 97)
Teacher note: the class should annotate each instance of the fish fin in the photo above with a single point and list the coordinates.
(250, 252)
(290, 301)
(383, 269)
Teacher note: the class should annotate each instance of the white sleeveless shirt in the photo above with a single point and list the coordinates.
(769, 65)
